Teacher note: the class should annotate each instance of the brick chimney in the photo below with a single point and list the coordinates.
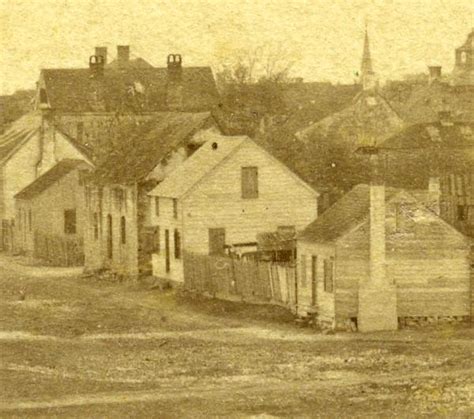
(174, 64)
(434, 73)
(101, 52)
(377, 296)
(123, 55)
(96, 65)
(174, 93)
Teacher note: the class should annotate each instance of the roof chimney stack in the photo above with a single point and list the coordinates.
(101, 52)
(174, 63)
(435, 73)
(123, 55)
(96, 65)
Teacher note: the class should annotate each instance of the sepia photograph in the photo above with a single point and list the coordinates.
(236, 209)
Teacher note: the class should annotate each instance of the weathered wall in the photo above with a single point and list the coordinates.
(19, 172)
(217, 202)
(426, 260)
(103, 202)
(325, 301)
(166, 221)
(47, 212)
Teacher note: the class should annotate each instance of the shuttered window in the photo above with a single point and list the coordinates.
(175, 208)
(329, 275)
(249, 182)
(123, 230)
(177, 244)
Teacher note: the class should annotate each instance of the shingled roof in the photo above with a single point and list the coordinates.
(145, 145)
(49, 178)
(128, 89)
(344, 215)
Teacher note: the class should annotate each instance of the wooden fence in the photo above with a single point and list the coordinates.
(59, 251)
(227, 278)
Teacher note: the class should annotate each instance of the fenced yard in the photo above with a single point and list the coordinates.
(228, 278)
(59, 251)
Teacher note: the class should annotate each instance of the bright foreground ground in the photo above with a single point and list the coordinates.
(80, 347)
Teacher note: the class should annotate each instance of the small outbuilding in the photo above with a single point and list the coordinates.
(378, 258)
(50, 214)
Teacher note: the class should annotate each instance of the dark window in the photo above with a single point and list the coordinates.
(96, 226)
(249, 182)
(216, 241)
(70, 221)
(303, 270)
(123, 230)
(157, 206)
(175, 208)
(462, 212)
(30, 220)
(177, 244)
(329, 275)
(80, 131)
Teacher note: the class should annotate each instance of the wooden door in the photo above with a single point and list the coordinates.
(167, 250)
(314, 279)
(110, 250)
(216, 241)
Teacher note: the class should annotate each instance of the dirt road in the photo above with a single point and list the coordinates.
(79, 347)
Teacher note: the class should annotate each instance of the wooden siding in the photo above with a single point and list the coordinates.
(166, 221)
(47, 212)
(217, 202)
(102, 201)
(428, 261)
(325, 303)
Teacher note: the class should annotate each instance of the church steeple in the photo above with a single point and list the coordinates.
(367, 75)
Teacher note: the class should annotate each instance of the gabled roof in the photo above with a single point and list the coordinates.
(212, 153)
(343, 216)
(20, 131)
(144, 146)
(206, 158)
(50, 177)
(128, 89)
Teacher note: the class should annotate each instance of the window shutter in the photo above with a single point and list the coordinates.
(249, 180)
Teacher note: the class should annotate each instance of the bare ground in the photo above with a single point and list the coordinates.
(79, 347)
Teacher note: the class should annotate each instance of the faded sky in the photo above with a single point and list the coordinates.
(325, 36)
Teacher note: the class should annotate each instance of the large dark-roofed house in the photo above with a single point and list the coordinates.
(87, 102)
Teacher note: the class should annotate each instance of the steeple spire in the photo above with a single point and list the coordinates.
(367, 75)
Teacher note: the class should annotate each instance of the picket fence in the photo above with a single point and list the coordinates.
(59, 251)
(248, 280)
